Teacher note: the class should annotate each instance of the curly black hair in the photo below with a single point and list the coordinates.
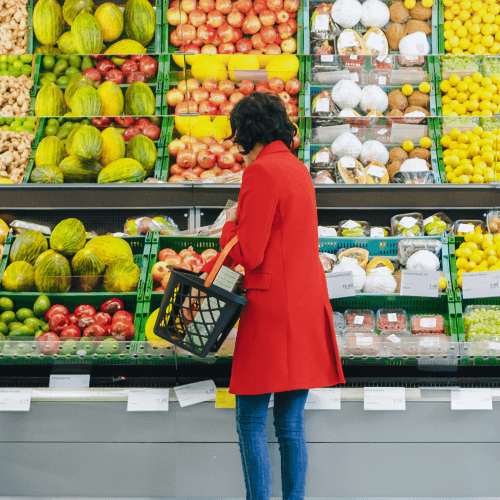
(261, 118)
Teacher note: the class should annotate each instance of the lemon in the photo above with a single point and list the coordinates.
(6, 181)
(410, 4)
(407, 89)
(428, 3)
(424, 87)
(408, 146)
(283, 66)
(425, 143)
(202, 71)
(442, 280)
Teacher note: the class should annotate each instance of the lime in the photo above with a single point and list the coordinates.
(22, 331)
(8, 317)
(6, 304)
(4, 328)
(24, 313)
(48, 62)
(26, 59)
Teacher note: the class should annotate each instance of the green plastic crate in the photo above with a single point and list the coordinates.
(141, 248)
(24, 350)
(154, 47)
(440, 28)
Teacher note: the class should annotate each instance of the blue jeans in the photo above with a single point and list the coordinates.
(251, 416)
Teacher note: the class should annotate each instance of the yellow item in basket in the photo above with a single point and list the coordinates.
(6, 181)
(242, 62)
(153, 339)
(283, 66)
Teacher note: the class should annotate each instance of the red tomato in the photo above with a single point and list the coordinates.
(57, 322)
(71, 331)
(56, 309)
(103, 318)
(85, 310)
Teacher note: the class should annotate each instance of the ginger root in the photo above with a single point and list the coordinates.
(15, 150)
(13, 26)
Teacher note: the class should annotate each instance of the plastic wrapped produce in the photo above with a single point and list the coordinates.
(358, 255)
(373, 98)
(415, 44)
(346, 94)
(327, 261)
(414, 165)
(423, 260)
(374, 151)
(350, 43)
(380, 281)
(346, 144)
(375, 14)
(358, 273)
(321, 22)
(346, 13)
(391, 320)
(353, 228)
(414, 178)
(381, 262)
(322, 105)
(360, 344)
(437, 224)
(322, 159)
(350, 171)
(338, 322)
(427, 324)
(376, 43)
(323, 177)
(407, 224)
(408, 246)
(363, 319)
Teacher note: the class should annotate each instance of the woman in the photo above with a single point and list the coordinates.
(286, 340)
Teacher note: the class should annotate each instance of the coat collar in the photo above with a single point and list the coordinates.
(274, 147)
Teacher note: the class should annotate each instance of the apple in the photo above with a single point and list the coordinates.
(246, 87)
(251, 25)
(71, 331)
(186, 108)
(225, 33)
(166, 253)
(209, 49)
(217, 149)
(244, 46)
(210, 84)
(227, 86)
(189, 175)
(223, 6)
(291, 5)
(206, 159)
(101, 122)
(207, 5)
(187, 32)
(208, 174)
(152, 131)
(282, 16)
(176, 170)
(186, 158)
(257, 42)
(225, 160)
(272, 49)
(165, 280)
(176, 17)
(293, 86)
(275, 5)
(175, 179)
(175, 146)
(93, 74)
(235, 19)
(244, 5)
(209, 140)
(236, 97)
(131, 132)
(105, 65)
(262, 87)
(268, 34)
(47, 343)
(175, 38)
(159, 270)
(267, 17)
(215, 19)
(188, 5)
(149, 66)
(276, 84)
(174, 97)
(197, 17)
(217, 97)
(226, 108)
(284, 31)
(289, 46)
(199, 95)
(129, 66)
(227, 48)
(199, 146)
(208, 108)
(123, 330)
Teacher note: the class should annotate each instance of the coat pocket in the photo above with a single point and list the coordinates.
(258, 281)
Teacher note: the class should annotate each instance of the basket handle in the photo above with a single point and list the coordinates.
(220, 261)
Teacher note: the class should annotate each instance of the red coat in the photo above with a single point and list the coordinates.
(286, 339)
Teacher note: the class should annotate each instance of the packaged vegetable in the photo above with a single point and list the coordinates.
(362, 319)
(493, 222)
(420, 177)
(407, 224)
(378, 262)
(463, 226)
(323, 177)
(408, 246)
(391, 320)
(322, 26)
(322, 159)
(163, 225)
(380, 281)
(358, 273)
(360, 255)
(361, 344)
(437, 224)
(423, 260)
(354, 228)
(427, 324)
(327, 261)
(350, 171)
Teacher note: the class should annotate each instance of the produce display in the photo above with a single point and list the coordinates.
(78, 27)
(13, 27)
(15, 150)
(16, 65)
(481, 322)
(140, 226)
(15, 98)
(225, 27)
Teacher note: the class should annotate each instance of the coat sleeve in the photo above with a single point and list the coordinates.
(257, 204)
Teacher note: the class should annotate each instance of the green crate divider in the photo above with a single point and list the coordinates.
(440, 28)
(167, 130)
(141, 249)
(154, 47)
(26, 345)
(30, 35)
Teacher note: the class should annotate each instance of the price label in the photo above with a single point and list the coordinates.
(225, 400)
(381, 58)
(354, 76)
(376, 42)
(428, 342)
(382, 80)
(198, 392)
(407, 222)
(494, 345)
(481, 285)
(359, 320)
(465, 228)
(428, 220)
(471, 399)
(383, 131)
(354, 130)
(350, 224)
(385, 398)
(420, 283)
(323, 104)
(347, 39)
(377, 232)
(340, 284)
(327, 58)
(69, 381)
(353, 58)
(323, 157)
(394, 339)
(348, 162)
(321, 22)
(428, 322)
(376, 171)
(148, 400)
(323, 399)
(15, 399)
(362, 341)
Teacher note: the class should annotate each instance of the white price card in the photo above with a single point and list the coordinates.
(376, 171)
(471, 399)
(148, 400)
(394, 339)
(321, 22)
(69, 381)
(15, 399)
(392, 317)
(327, 58)
(428, 220)
(198, 392)
(408, 222)
(377, 232)
(340, 284)
(323, 157)
(359, 320)
(351, 224)
(385, 398)
(481, 285)
(323, 399)
(382, 80)
(420, 283)
(465, 228)
(322, 105)
(348, 162)
(382, 131)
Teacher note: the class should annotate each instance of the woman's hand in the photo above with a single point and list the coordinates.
(232, 214)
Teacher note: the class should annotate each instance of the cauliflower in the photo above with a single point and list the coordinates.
(423, 260)
(346, 13)
(415, 44)
(346, 144)
(374, 151)
(346, 94)
(373, 98)
(414, 165)
(375, 14)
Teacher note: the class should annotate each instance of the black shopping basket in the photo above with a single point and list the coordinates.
(195, 314)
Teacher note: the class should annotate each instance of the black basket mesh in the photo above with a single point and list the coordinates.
(194, 317)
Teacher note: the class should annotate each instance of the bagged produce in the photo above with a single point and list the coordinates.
(346, 94)
(346, 13)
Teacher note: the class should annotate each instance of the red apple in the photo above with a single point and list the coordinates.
(217, 97)
(291, 5)
(276, 84)
(223, 6)
(206, 159)
(257, 42)
(262, 87)
(186, 158)
(71, 331)
(185, 108)
(152, 131)
(208, 108)
(187, 32)
(293, 24)
(225, 33)
(197, 17)
(282, 16)
(288, 46)
(207, 5)
(176, 17)
(93, 74)
(291, 109)
(210, 84)
(208, 174)
(272, 49)
(149, 66)
(275, 5)
(166, 253)
(129, 66)
(136, 76)
(215, 19)
(175, 146)
(225, 160)
(246, 87)
(235, 19)
(199, 95)
(131, 132)
(165, 280)
(174, 97)
(236, 97)
(267, 18)
(244, 5)
(188, 5)
(293, 86)
(159, 270)
(101, 122)
(227, 48)
(227, 86)
(268, 34)
(237, 35)
(244, 46)
(176, 170)
(47, 343)
(209, 49)
(226, 108)
(259, 6)
(175, 179)
(217, 149)
(105, 65)
(251, 25)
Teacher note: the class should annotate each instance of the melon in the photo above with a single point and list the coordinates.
(28, 246)
(19, 277)
(53, 274)
(68, 237)
(88, 267)
(121, 276)
(111, 248)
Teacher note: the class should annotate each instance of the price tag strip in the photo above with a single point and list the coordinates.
(340, 284)
(481, 285)
(198, 392)
(385, 398)
(323, 399)
(420, 284)
(471, 399)
(148, 400)
(15, 399)
(69, 381)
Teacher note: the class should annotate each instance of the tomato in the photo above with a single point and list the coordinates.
(85, 310)
(71, 331)
(112, 306)
(103, 318)
(56, 309)
(123, 315)
(57, 322)
(123, 330)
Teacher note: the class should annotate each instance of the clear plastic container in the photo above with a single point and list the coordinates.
(437, 223)
(359, 343)
(360, 319)
(431, 345)
(323, 159)
(493, 222)
(394, 343)
(408, 246)
(354, 228)
(407, 224)
(379, 232)
(423, 177)
(427, 324)
(382, 261)
(481, 321)
(338, 322)
(392, 320)
(360, 254)
(460, 229)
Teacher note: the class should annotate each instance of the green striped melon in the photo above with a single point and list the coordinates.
(46, 50)
(28, 246)
(53, 274)
(49, 101)
(87, 34)
(88, 268)
(19, 277)
(77, 171)
(50, 151)
(74, 84)
(143, 149)
(139, 100)
(114, 146)
(110, 18)
(72, 8)
(122, 276)
(124, 170)
(69, 141)
(47, 174)
(126, 46)
(86, 102)
(140, 21)
(87, 143)
(65, 43)
(111, 248)
(43, 255)
(68, 237)
(112, 98)
(48, 23)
